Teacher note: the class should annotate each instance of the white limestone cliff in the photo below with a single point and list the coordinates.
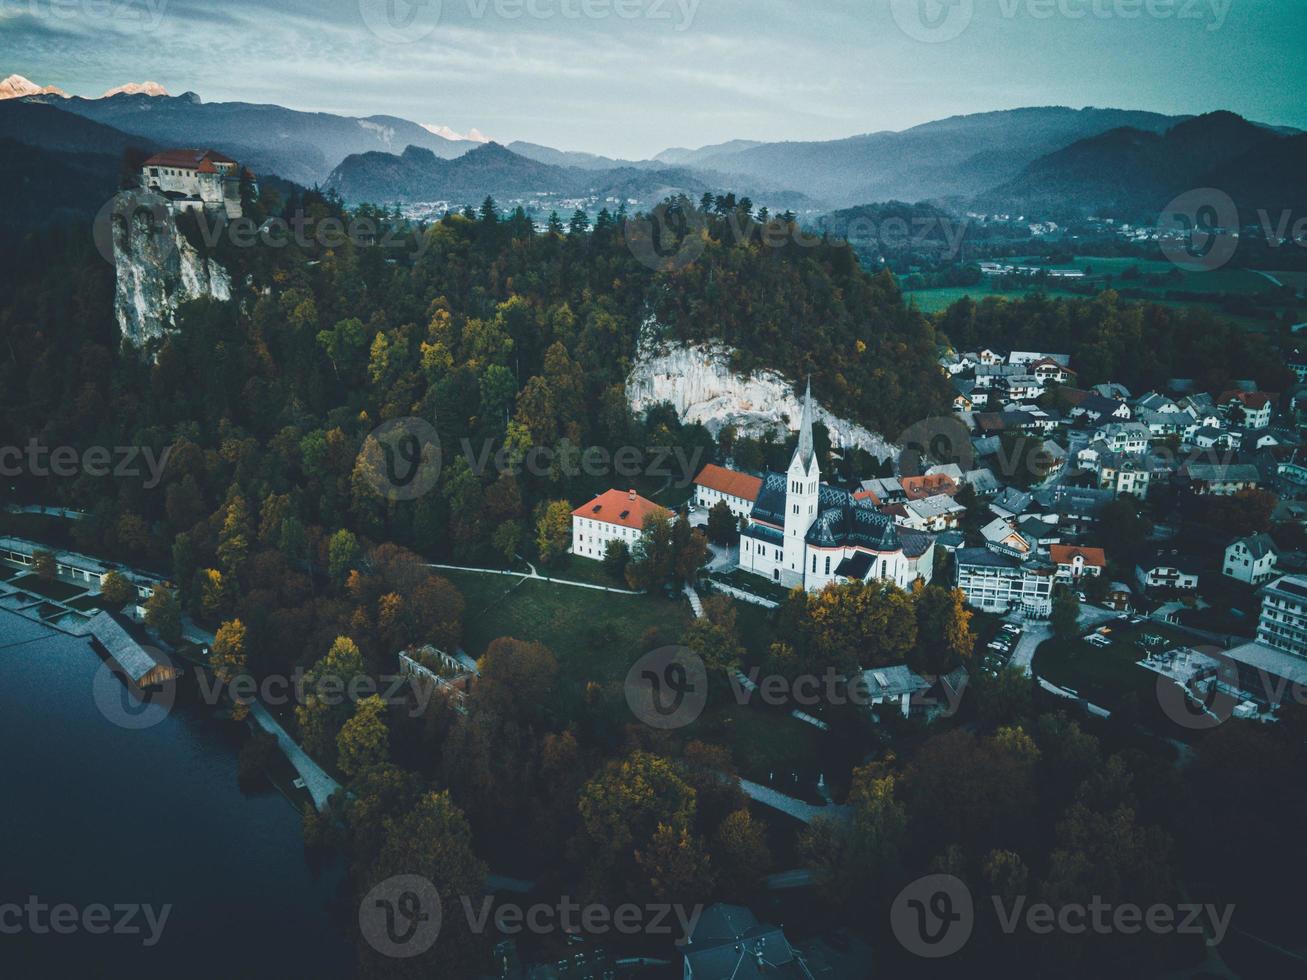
(699, 382)
(156, 270)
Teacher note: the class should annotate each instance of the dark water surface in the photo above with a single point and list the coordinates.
(91, 812)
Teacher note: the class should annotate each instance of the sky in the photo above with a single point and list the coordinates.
(629, 78)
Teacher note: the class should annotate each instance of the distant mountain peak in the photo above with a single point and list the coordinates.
(137, 88)
(473, 135)
(18, 87)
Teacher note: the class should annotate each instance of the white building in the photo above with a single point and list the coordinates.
(716, 483)
(611, 516)
(1283, 624)
(196, 180)
(998, 584)
(1251, 560)
(1075, 563)
(804, 532)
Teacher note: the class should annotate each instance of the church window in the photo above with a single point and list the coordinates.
(828, 564)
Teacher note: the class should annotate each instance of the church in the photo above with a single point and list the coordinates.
(804, 532)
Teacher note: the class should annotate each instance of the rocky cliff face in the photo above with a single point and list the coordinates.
(700, 384)
(157, 270)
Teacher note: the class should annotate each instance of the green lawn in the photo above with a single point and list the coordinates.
(580, 569)
(596, 636)
(1105, 674)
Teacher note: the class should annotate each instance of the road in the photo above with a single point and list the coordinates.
(1091, 617)
(537, 576)
(798, 809)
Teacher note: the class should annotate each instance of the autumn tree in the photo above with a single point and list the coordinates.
(740, 854)
(164, 613)
(944, 636)
(653, 559)
(325, 707)
(227, 658)
(116, 590)
(553, 530)
(364, 740)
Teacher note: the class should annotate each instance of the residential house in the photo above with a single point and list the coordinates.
(1220, 479)
(1124, 437)
(1119, 597)
(1075, 563)
(611, 516)
(1002, 537)
(1251, 560)
(1251, 409)
(1168, 571)
(935, 513)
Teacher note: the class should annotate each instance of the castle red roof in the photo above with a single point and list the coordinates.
(189, 159)
(730, 482)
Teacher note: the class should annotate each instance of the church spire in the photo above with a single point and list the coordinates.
(804, 451)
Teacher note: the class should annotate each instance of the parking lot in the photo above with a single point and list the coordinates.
(998, 652)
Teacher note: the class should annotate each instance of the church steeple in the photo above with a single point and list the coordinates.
(804, 451)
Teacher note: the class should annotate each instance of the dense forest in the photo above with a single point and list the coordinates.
(270, 527)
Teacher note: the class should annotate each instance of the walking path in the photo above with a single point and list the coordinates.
(798, 809)
(537, 576)
(317, 781)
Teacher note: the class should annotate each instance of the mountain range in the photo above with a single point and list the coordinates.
(1048, 162)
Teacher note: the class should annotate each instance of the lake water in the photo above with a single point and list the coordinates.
(91, 812)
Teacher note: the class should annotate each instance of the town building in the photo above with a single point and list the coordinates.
(715, 484)
(611, 516)
(1251, 560)
(804, 532)
(998, 584)
(1169, 571)
(1283, 622)
(1075, 563)
(1220, 479)
(729, 943)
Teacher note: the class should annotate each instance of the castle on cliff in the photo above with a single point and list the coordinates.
(197, 180)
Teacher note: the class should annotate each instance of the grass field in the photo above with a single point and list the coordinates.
(596, 636)
(1105, 674)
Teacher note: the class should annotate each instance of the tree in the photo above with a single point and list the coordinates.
(691, 550)
(714, 637)
(116, 590)
(616, 557)
(740, 854)
(364, 740)
(944, 636)
(342, 552)
(325, 709)
(553, 529)
(721, 524)
(653, 558)
(164, 613)
(1066, 615)
(44, 564)
(227, 658)
(517, 677)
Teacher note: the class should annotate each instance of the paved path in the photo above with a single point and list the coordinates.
(65, 512)
(798, 809)
(316, 779)
(537, 576)
(783, 880)
(319, 784)
(695, 602)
